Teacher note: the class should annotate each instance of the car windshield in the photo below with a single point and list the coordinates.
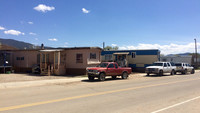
(102, 65)
(178, 64)
(157, 64)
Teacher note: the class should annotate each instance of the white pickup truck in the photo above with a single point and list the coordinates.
(183, 68)
(161, 67)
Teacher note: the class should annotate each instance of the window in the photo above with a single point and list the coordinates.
(108, 57)
(111, 66)
(92, 55)
(165, 65)
(19, 58)
(22, 58)
(133, 54)
(116, 66)
(79, 58)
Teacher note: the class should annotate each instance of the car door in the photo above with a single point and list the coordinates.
(165, 68)
(117, 70)
(110, 70)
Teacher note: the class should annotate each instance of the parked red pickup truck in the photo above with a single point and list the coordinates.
(108, 69)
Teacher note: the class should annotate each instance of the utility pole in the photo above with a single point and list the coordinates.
(103, 45)
(196, 64)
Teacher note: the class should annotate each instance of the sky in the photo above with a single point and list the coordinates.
(168, 25)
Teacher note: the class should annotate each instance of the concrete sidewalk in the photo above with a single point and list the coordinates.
(39, 82)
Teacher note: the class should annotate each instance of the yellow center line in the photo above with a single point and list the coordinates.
(87, 95)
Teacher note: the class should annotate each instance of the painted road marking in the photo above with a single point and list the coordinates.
(87, 95)
(178, 104)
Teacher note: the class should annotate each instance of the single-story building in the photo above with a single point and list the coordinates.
(6, 58)
(70, 61)
(23, 60)
(136, 59)
(177, 58)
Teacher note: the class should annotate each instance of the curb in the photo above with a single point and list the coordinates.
(38, 83)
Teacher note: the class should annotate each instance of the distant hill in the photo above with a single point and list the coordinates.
(181, 54)
(18, 44)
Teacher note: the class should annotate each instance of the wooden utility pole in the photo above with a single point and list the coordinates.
(196, 63)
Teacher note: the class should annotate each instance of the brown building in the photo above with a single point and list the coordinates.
(60, 61)
(70, 61)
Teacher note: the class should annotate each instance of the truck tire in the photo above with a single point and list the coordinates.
(91, 78)
(173, 72)
(102, 77)
(193, 71)
(185, 71)
(161, 72)
(124, 75)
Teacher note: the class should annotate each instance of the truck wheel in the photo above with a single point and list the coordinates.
(192, 72)
(161, 72)
(114, 77)
(173, 72)
(185, 71)
(102, 77)
(124, 75)
(91, 78)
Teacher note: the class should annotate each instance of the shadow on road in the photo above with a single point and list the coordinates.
(96, 80)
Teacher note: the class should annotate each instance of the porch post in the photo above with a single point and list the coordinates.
(45, 61)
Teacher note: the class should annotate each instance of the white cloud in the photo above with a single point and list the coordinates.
(53, 39)
(85, 10)
(30, 22)
(31, 33)
(43, 8)
(165, 49)
(113, 45)
(2, 28)
(14, 32)
(36, 38)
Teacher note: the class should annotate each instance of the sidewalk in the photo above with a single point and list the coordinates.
(39, 82)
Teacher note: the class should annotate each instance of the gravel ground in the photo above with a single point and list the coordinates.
(32, 77)
(28, 77)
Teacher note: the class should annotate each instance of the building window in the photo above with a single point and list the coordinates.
(22, 58)
(92, 55)
(108, 57)
(133, 54)
(19, 58)
(79, 58)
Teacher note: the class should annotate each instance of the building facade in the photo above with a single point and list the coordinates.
(136, 59)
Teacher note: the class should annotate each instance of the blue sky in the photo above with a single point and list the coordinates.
(168, 25)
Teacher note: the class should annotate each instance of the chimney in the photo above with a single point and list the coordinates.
(42, 46)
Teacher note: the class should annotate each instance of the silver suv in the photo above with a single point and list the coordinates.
(160, 68)
(183, 68)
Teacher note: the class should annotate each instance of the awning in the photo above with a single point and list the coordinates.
(121, 53)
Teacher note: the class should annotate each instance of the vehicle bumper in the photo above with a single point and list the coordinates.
(95, 74)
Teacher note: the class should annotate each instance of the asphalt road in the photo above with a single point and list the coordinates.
(138, 94)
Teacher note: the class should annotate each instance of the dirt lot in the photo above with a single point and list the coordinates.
(32, 77)
(28, 77)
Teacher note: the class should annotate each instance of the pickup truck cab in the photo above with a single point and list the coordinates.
(108, 69)
(160, 68)
(183, 68)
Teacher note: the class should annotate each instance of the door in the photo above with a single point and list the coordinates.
(110, 70)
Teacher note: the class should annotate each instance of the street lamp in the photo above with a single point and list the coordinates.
(196, 64)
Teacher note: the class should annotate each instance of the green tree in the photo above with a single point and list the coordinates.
(111, 48)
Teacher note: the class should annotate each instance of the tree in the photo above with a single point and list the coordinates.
(111, 48)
